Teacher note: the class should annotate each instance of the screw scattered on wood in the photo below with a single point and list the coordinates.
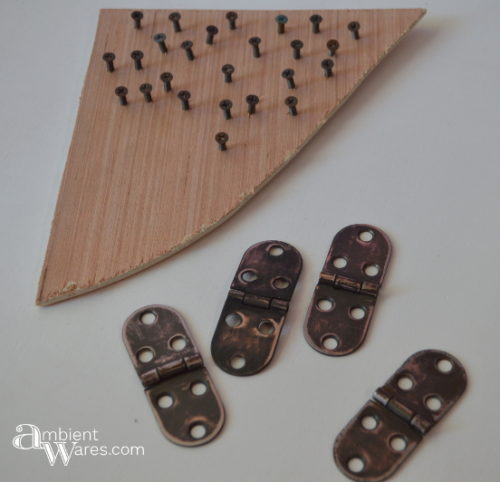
(122, 92)
(167, 78)
(146, 90)
(254, 42)
(228, 71)
(231, 18)
(226, 106)
(354, 27)
(327, 66)
(221, 138)
(296, 46)
(174, 17)
(315, 20)
(137, 17)
(187, 45)
(281, 20)
(288, 75)
(332, 46)
(184, 96)
(212, 31)
(160, 38)
(252, 101)
(137, 57)
(109, 57)
(291, 103)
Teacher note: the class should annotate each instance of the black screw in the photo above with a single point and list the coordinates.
(221, 138)
(166, 78)
(212, 31)
(327, 66)
(288, 75)
(291, 103)
(174, 17)
(146, 90)
(254, 42)
(226, 106)
(281, 20)
(296, 46)
(137, 56)
(122, 92)
(187, 46)
(252, 101)
(332, 46)
(228, 71)
(184, 96)
(231, 17)
(137, 17)
(109, 57)
(315, 20)
(354, 27)
(160, 38)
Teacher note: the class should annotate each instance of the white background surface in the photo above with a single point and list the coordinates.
(414, 151)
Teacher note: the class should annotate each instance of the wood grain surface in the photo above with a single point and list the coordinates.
(143, 181)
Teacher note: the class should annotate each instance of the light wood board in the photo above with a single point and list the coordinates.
(143, 181)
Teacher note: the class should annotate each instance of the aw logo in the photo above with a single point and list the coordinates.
(30, 437)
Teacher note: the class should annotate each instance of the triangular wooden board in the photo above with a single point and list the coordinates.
(145, 180)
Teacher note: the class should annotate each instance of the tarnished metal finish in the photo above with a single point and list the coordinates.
(178, 387)
(344, 298)
(254, 312)
(389, 427)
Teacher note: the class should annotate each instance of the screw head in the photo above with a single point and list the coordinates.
(146, 88)
(296, 44)
(327, 64)
(353, 26)
(254, 40)
(166, 77)
(108, 56)
(316, 18)
(137, 54)
(184, 95)
(174, 17)
(231, 15)
(333, 44)
(225, 104)
(281, 19)
(288, 73)
(252, 99)
(159, 37)
(221, 137)
(227, 69)
(291, 101)
(121, 90)
(187, 44)
(136, 15)
(212, 29)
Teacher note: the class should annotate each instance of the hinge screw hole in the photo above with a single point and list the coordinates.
(145, 355)
(276, 251)
(266, 327)
(371, 270)
(325, 304)
(405, 383)
(178, 343)
(369, 422)
(198, 389)
(444, 365)
(238, 362)
(366, 236)
(330, 343)
(357, 313)
(233, 320)
(148, 317)
(433, 403)
(281, 283)
(398, 443)
(249, 276)
(198, 431)
(355, 465)
(165, 401)
(340, 262)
